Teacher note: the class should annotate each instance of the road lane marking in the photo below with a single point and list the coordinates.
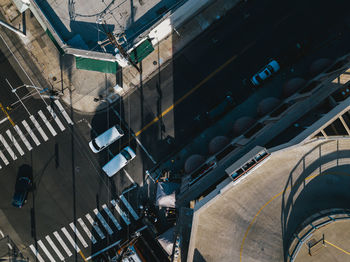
(76, 231)
(342, 250)
(52, 244)
(201, 83)
(47, 123)
(54, 116)
(36, 254)
(47, 253)
(14, 141)
(22, 136)
(8, 148)
(109, 213)
(70, 239)
(95, 226)
(7, 115)
(103, 221)
(87, 231)
(120, 211)
(30, 132)
(63, 112)
(60, 240)
(4, 158)
(129, 207)
(38, 127)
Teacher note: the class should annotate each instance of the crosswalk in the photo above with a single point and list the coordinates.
(84, 231)
(25, 135)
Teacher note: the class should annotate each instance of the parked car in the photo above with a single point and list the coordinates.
(23, 185)
(106, 138)
(119, 161)
(266, 72)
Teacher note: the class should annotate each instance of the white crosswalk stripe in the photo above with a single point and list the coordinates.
(60, 240)
(47, 253)
(109, 213)
(80, 237)
(2, 156)
(129, 207)
(38, 127)
(52, 244)
(70, 239)
(36, 253)
(24, 139)
(30, 132)
(14, 141)
(95, 226)
(121, 212)
(8, 148)
(47, 123)
(64, 113)
(87, 231)
(103, 221)
(54, 116)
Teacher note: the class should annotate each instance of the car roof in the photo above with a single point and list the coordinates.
(108, 136)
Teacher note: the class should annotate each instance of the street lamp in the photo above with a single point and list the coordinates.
(35, 87)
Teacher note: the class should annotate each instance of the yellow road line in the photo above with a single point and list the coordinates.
(346, 252)
(7, 115)
(82, 255)
(166, 111)
(268, 202)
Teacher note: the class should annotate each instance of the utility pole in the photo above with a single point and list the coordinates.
(113, 41)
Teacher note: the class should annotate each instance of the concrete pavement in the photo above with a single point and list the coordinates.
(80, 88)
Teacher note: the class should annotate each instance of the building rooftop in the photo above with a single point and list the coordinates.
(254, 219)
(80, 23)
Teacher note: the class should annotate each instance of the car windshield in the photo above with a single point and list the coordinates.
(95, 145)
(126, 155)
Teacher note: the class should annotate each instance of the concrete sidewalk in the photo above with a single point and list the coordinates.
(80, 88)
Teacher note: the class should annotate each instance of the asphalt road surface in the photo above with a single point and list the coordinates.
(221, 61)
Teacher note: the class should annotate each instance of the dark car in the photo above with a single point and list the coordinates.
(23, 185)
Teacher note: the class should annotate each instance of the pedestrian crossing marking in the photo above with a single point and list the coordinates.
(7, 147)
(54, 116)
(47, 123)
(50, 256)
(103, 221)
(38, 127)
(129, 207)
(80, 237)
(95, 226)
(14, 141)
(52, 244)
(64, 113)
(30, 132)
(36, 253)
(60, 240)
(4, 158)
(24, 139)
(109, 213)
(87, 231)
(47, 253)
(70, 239)
(121, 212)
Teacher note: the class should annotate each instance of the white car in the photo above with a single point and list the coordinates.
(106, 138)
(119, 161)
(265, 73)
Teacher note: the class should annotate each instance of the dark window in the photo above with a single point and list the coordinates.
(95, 145)
(126, 155)
(225, 152)
(279, 110)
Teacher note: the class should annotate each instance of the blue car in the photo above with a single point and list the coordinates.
(23, 185)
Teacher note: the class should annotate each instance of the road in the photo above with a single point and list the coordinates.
(69, 183)
(168, 111)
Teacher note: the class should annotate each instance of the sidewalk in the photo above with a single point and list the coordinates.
(46, 68)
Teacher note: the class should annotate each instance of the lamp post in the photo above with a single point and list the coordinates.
(35, 87)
